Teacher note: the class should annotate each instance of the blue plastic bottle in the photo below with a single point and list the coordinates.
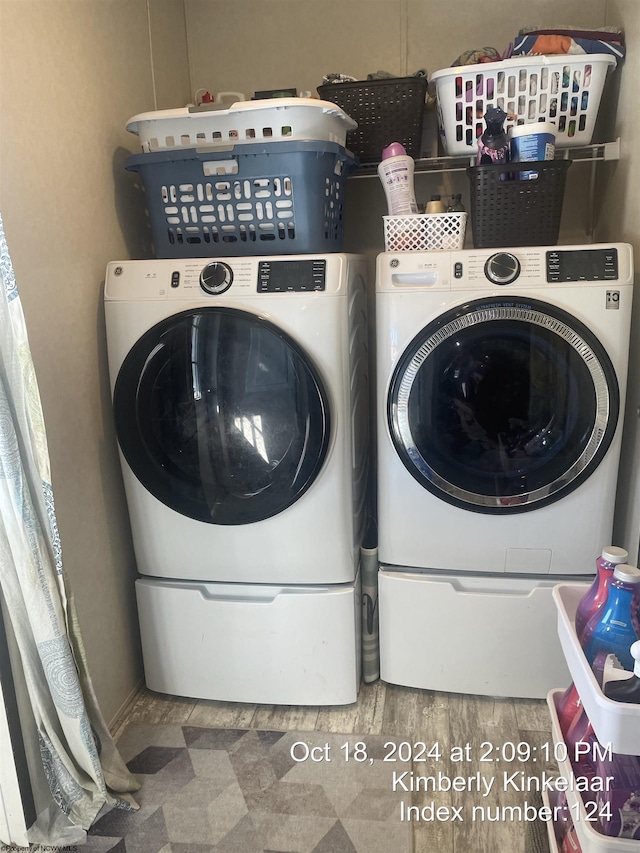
(610, 629)
(596, 595)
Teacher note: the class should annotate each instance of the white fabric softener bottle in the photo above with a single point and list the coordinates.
(396, 171)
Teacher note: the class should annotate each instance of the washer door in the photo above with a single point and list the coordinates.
(221, 416)
(503, 405)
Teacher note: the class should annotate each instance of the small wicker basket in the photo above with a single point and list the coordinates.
(424, 232)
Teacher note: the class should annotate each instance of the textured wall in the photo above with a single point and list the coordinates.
(619, 219)
(266, 44)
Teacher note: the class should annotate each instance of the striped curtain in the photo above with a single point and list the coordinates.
(83, 769)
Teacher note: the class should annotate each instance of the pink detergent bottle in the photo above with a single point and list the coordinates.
(581, 732)
(570, 841)
(596, 595)
(569, 704)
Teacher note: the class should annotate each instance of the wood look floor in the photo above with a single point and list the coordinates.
(406, 714)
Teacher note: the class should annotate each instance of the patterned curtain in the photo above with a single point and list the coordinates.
(83, 768)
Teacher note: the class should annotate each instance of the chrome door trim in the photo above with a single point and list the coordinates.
(484, 311)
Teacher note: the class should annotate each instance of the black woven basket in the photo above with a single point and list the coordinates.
(386, 111)
(506, 211)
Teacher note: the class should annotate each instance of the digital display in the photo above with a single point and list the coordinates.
(291, 276)
(582, 265)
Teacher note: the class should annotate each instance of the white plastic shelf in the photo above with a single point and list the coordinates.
(616, 723)
(590, 839)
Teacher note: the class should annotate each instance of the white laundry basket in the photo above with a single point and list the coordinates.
(269, 120)
(565, 90)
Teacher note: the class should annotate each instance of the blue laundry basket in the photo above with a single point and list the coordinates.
(246, 199)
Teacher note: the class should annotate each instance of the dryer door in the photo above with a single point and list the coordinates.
(221, 416)
(503, 405)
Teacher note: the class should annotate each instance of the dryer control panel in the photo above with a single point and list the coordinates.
(299, 276)
(582, 265)
(562, 265)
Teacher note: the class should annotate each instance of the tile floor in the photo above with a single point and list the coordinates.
(461, 727)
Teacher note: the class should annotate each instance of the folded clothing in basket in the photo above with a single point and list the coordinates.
(337, 78)
(554, 42)
(374, 75)
(477, 56)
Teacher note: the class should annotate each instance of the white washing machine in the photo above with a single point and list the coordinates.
(241, 409)
(501, 378)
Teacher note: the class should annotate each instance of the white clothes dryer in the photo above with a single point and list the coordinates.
(241, 409)
(501, 379)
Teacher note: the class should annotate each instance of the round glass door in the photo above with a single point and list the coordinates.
(503, 405)
(221, 416)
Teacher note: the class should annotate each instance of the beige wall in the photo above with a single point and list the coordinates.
(72, 72)
(247, 45)
(619, 218)
(619, 214)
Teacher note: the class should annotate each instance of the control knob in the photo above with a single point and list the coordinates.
(502, 268)
(216, 277)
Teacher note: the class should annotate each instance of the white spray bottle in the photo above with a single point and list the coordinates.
(396, 173)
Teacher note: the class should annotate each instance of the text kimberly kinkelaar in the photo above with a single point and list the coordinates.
(477, 783)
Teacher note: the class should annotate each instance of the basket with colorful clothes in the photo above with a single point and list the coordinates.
(555, 75)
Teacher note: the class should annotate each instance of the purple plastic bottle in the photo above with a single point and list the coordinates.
(596, 595)
(493, 145)
(609, 629)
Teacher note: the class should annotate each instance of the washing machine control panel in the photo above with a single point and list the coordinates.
(502, 268)
(216, 277)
